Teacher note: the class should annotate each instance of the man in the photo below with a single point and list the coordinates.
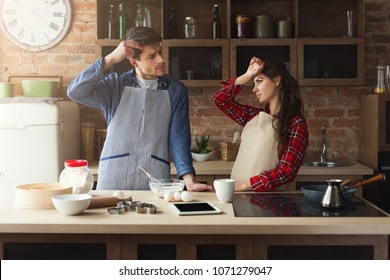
(146, 112)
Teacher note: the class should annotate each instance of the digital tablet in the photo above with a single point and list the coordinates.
(194, 208)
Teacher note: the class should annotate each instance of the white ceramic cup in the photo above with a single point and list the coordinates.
(224, 189)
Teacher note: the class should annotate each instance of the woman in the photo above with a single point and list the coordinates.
(275, 136)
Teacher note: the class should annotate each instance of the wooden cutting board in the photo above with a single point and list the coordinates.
(16, 79)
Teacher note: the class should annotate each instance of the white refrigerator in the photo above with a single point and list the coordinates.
(35, 140)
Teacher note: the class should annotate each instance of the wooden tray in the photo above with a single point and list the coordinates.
(16, 79)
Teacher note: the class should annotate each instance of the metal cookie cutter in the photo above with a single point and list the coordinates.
(116, 210)
(140, 208)
(150, 208)
(147, 208)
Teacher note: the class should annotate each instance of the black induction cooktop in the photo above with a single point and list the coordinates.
(296, 205)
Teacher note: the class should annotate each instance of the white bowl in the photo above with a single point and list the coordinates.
(71, 204)
(201, 157)
(167, 185)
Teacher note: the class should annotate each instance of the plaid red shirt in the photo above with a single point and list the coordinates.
(293, 150)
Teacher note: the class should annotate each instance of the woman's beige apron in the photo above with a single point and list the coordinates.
(258, 149)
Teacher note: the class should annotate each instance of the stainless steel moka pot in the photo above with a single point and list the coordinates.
(333, 197)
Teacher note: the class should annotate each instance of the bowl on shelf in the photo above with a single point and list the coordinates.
(316, 193)
(71, 204)
(7, 90)
(38, 88)
(166, 185)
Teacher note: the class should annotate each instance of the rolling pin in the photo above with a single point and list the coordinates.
(105, 201)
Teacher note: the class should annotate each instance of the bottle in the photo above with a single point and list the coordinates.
(380, 86)
(190, 28)
(77, 175)
(111, 23)
(122, 20)
(139, 19)
(147, 18)
(172, 23)
(216, 23)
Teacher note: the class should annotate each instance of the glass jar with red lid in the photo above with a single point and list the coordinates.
(77, 174)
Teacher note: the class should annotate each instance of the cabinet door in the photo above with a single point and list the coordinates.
(336, 62)
(242, 50)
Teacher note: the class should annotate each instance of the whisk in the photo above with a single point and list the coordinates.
(151, 178)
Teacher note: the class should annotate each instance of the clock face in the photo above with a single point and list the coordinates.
(35, 25)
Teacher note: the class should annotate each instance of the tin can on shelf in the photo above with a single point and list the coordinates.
(264, 26)
(243, 26)
(285, 28)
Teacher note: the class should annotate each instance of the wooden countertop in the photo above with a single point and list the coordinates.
(219, 167)
(98, 221)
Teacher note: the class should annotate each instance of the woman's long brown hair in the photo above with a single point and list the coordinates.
(290, 99)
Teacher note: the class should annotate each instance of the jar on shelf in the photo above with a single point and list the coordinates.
(243, 26)
(264, 26)
(190, 28)
(77, 174)
(380, 85)
(285, 28)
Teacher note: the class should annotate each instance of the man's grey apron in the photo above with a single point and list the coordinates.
(258, 149)
(137, 135)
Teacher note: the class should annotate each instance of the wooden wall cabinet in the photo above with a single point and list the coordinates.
(318, 54)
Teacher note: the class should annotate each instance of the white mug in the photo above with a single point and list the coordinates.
(224, 189)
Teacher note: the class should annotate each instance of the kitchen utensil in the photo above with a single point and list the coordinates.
(377, 178)
(106, 201)
(71, 204)
(33, 88)
(345, 182)
(236, 136)
(333, 197)
(38, 195)
(224, 189)
(166, 185)
(264, 27)
(315, 193)
(151, 178)
(7, 90)
(17, 80)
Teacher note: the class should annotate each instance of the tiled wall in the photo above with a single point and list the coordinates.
(335, 107)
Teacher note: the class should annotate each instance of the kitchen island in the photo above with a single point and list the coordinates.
(208, 171)
(165, 235)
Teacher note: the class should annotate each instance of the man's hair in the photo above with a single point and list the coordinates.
(145, 36)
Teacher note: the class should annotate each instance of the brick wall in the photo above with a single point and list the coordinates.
(334, 107)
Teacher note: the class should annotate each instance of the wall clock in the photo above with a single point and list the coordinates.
(35, 25)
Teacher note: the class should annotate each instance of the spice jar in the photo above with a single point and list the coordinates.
(190, 28)
(77, 175)
(243, 26)
(380, 86)
(285, 28)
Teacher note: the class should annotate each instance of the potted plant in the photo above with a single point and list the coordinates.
(201, 151)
